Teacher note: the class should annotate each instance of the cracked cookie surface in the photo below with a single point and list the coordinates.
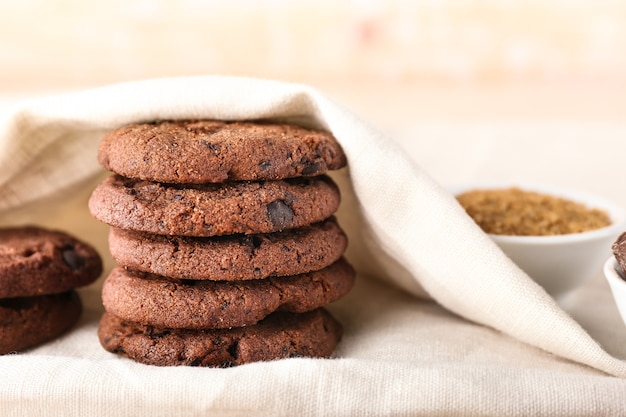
(281, 335)
(165, 302)
(238, 257)
(29, 321)
(201, 151)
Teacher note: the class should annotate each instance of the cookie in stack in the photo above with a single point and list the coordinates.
(225, 239)
(39, 271)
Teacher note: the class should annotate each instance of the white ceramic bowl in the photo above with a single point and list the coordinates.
(559, 263)
(615, 277)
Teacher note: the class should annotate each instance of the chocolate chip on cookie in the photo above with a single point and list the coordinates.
(213, 210)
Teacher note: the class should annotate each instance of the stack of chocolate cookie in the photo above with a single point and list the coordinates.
(39, 271)
(225, 240)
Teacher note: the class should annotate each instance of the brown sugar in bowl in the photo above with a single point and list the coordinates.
(517, 212)
(560, 248)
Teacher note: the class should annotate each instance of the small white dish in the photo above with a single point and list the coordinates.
(559, 263)
(615, 277)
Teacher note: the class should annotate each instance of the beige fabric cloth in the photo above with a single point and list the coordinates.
(493, 343)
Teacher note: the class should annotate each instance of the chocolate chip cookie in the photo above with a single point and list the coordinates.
(211, 151)
(225, 239)
(166, 302)
(29, 321)
(232, 257)
(35, 261)
(213, 210)
(281, 335)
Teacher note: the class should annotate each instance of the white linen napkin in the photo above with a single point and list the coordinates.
(404, 230)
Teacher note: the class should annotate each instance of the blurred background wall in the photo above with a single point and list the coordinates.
(427, 58)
